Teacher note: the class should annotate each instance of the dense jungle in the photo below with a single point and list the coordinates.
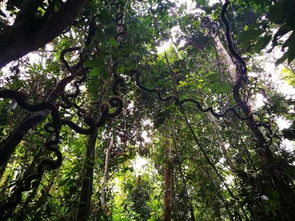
(147, 110)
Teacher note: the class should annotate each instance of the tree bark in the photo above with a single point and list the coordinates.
(272, 169)
(225, 58)
(87, 182)
(29, 33)
(168, 177)
(7, 147)
(106, 174)
(182, 176)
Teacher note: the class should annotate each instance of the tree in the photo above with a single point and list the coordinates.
(104, 95)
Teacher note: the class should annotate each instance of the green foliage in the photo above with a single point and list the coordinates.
(269, 15)
(288, 76)
(234, 188)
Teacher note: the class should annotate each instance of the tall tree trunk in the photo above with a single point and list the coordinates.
(7, 146)
(106, 175)
(226, 60)
(168, 177)
(182, 176)
(87, 182)
(273, 170)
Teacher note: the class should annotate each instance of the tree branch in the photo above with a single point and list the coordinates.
(29, 34)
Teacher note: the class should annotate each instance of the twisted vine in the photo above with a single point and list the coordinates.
(53, 127)
(241, 102)
(254, 121)
(21, 100)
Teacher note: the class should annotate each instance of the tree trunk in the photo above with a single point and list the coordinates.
(29, 33)
(168, 177)
(106, 174)
(221, 142)
(182, 176)
(226, 60)
(87, 182)
(273, 171)
(7, 147)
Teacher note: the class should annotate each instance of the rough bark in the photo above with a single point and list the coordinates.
(29, 33)
(225, 59)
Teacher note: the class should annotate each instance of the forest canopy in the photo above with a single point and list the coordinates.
(147, 110)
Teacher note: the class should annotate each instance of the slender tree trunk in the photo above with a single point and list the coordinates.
(106, 175)
(7, 146)
(87, 182)
(182, 176)
(221, 142)
(168, 177)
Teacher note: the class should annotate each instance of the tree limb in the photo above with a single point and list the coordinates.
(29, 34)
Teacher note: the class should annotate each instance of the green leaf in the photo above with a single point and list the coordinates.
(277, 13)
(262, 43)
(121, 69)
(94, 72)
(250, 34)
(113, 42)
(288, 76)
(182, 83)
(290, 54)
(89, 64)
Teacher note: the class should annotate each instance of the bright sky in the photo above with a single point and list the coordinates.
(191, 7)
(192, 4)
